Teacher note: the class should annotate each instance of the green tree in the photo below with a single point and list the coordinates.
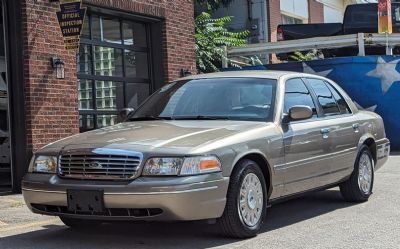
(310, 55)
(214, 4)
(211, 36)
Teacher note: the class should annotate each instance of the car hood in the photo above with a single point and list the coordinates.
(148, 136)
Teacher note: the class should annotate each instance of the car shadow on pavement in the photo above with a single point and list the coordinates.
(170, 235)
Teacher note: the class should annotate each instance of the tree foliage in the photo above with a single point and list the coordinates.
(214, 4)
(310, 55)
(211, 37)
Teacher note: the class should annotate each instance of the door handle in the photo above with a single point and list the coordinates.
(325, 132)
(356, 127)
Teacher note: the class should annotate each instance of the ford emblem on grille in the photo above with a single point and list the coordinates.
(95, 165)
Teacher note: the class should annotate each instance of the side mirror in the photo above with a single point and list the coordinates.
(124, 114)
(300, 112)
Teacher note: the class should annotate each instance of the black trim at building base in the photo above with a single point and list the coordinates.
(16, 89)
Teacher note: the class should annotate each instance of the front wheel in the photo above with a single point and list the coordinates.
(246, 201)
(358, 188)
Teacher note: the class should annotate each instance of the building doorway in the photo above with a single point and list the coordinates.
(5, 150)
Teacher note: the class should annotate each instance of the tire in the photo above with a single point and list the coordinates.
(79, 223)
(233, 222)
(352, 190)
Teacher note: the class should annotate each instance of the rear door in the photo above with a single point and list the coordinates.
(342, 130)
(306, 166)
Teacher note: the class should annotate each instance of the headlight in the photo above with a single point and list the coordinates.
(43, 164)
(162, 166)
(181, 166)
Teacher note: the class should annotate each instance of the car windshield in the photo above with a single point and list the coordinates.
(249, 99)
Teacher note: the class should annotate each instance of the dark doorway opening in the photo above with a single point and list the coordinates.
(5, 150)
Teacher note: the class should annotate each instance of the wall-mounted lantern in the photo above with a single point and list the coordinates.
(58, 65)
(185, 72)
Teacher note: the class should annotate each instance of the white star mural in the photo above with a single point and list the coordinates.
(386, 72)
(308, 69)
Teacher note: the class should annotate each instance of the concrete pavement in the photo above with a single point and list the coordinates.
(319, 220)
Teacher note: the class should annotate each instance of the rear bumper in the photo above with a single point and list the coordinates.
(180, 198)
(382, 152)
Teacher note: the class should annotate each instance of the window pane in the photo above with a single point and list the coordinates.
(220, 98)
(291, 20)
(111, 30)
(85, 99)
(85, 29)
(84, 59)
(325, 97)
(136, 65)
(296, 93)
(86, 122)
(135, 94)
(96, 28)
(344, 108)
(108, 61)
(106, 120)
(106, 29)
(107, 95)
(134, 34)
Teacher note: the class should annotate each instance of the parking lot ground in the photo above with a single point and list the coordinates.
(318, 220)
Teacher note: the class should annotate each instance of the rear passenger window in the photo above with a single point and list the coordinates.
(296, 93)
(325, 97)
(344, 108)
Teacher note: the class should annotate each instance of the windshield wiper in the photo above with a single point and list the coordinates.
(200, 117)
(148, 118)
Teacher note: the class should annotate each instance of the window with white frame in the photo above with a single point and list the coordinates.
(291, 20)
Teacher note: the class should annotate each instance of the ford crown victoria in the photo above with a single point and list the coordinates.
(220, 147)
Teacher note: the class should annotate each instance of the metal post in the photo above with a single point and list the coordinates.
(361, 44)
(389, 49)
(225, 57)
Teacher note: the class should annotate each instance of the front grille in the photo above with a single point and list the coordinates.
(108, 212)
(99, 166)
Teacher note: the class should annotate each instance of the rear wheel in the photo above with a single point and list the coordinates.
(358, 188)
(246, 201)
(79, 223)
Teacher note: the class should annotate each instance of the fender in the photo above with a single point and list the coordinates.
(364, 138)
(268, 166)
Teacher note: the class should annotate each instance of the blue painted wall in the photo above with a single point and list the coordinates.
(373, 82)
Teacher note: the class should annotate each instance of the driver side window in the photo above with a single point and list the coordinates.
(296, 93)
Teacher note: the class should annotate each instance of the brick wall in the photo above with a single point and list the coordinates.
(275, 18)
(315, 12)
(51, 104)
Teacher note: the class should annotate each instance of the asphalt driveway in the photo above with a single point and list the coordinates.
(319, 220)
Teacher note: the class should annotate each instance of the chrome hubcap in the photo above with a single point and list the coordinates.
(251, 200)
(365, 169)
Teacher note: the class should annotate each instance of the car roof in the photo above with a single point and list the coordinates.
(266, 74)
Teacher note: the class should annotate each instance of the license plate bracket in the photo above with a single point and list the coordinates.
(85, 200)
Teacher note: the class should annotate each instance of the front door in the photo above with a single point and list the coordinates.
(305, 144)
(5, 153)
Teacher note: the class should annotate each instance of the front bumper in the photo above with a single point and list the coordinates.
(179, 198)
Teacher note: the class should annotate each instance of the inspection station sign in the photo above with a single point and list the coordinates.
(71, 17)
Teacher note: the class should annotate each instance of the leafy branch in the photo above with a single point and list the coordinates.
(211, 38)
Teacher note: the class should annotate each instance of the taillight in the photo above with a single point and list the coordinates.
(280, 34)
